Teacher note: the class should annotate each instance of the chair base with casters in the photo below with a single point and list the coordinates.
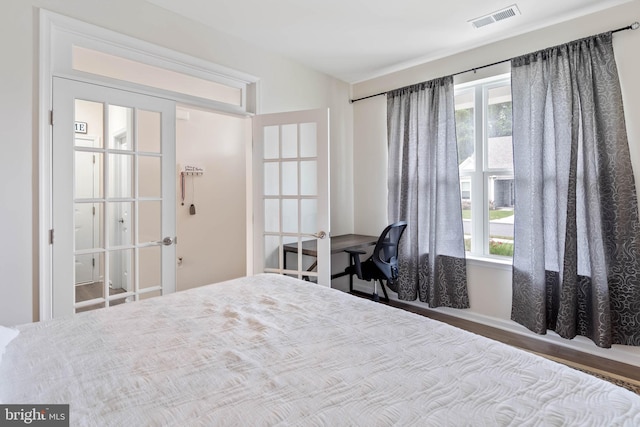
(374, 296)
(381, 266)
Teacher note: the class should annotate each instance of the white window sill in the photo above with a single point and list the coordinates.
(502, 263)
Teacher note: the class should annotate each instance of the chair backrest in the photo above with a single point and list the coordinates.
(385, 254)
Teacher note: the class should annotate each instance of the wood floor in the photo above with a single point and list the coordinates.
(95, 290)
(553, 351)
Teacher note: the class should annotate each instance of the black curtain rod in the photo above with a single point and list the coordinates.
(633, 26)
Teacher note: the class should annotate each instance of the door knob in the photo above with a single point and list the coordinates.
(318, 235)
(168, 241)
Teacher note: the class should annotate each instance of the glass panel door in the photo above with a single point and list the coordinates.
(291, 207)
(114, 169)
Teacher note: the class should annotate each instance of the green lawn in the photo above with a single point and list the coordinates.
(493, 214)
(500, 248)
(495, 247)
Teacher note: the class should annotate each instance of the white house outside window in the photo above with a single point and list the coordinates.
(485, 157)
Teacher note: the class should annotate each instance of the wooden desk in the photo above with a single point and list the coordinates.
(338, 244)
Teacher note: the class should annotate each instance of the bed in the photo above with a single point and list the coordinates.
(271, 350)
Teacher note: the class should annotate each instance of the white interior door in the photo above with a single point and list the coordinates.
(291, 195)
(121, 221)
(87, 222)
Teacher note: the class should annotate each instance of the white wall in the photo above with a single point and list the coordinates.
(284, 85)
(370, 166)
(212, 243)
(490, 286)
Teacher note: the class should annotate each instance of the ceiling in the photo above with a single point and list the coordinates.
(354, 40)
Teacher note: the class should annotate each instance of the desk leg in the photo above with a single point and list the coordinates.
(314, 265)
(350, 275)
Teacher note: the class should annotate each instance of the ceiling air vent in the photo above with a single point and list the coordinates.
(496, 16)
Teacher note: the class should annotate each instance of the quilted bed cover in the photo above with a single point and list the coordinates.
(270, 350)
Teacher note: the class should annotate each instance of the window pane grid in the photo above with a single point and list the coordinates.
(127, 194)
(483, 126)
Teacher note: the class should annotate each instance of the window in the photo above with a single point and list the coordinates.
(485, 162)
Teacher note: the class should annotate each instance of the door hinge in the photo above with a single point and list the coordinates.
(93, 262)
(51, 236)
(51, 117)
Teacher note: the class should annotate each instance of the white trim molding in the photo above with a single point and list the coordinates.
(58, 35)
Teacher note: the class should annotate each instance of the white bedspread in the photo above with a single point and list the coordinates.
(269, 350)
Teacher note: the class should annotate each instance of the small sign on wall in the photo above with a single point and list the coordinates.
(193, 170)
(80, 127)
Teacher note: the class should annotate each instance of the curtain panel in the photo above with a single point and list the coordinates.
(424, 190)
(576, 263)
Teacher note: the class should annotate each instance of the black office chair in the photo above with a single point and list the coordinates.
(381, 265)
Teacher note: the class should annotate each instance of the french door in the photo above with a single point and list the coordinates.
(291, 195)
(113, 196)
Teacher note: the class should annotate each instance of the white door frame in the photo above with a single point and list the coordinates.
(58, 34)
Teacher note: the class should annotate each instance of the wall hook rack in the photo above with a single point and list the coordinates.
(192, 171)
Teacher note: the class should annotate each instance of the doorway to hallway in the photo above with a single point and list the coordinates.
(211, 210)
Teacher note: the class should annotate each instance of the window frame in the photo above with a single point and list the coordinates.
(481, 174)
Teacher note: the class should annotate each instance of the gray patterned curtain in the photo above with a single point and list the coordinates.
(424, 190)
(576, 263)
